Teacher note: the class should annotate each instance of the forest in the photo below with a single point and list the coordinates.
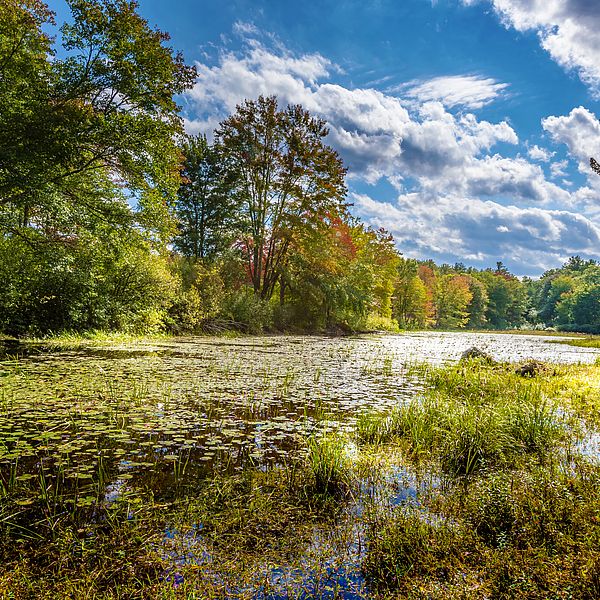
(112, 218)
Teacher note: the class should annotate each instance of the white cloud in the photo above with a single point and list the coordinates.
(470, 91)
(457, 197)
(514, 179)
(244, 28)
(541, 154)
(579, 131)
(558, 168)
(532, 239)
(375, 132)
(569, 30)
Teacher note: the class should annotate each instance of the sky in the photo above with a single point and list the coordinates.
(466, 125)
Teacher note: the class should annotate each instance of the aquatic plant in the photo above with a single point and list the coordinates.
(329, 463)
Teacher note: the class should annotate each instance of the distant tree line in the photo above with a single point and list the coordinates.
(452, 297)
(112, 218)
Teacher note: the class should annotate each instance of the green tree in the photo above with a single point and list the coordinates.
(410, 296)
(288, 179)
(586, 308)
(478, 305)
(507, 298)
(452, 298)
(89, 167)
(78, 128)
(206, 203)
(109, 280)
(557, 289)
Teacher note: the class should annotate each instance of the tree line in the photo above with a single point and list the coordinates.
(568, 299)
(112, 218)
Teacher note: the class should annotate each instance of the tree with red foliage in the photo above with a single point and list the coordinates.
(288, 178)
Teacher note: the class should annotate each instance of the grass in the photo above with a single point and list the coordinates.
(329, 464)
(519, 515)
(473, 416)
(474, 488)
(529, 533)
(592, 342)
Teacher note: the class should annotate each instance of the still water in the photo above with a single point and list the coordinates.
(103, 423)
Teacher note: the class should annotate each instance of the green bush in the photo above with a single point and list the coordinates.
(247, 311)
(111, 282)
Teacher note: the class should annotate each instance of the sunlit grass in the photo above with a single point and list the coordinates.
(473, 416)
(592, 342)
(473, 487)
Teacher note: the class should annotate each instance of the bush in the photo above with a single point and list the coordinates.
(113, 282)
(247, 311)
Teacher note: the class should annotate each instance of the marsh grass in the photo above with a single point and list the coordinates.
(510, 510)
(525, 521)
(472, 417)
(530, 532)
(329, 464)
(405, 544)
(592, 342)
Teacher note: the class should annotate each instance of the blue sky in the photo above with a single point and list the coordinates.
(467, 125)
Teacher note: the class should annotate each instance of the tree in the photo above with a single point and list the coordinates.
(110, 280)
(559, 287)
(78, 130)
(507, 298)
(427, 275)
(288, 180)
(586, 308)
(343, 275)
(479, 303)
(453, 295)
(206, 203)
(410, 296)
(89, 167)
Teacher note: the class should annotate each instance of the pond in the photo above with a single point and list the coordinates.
(97, 424)
(214, 402)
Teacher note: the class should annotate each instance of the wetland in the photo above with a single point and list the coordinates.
(300, 467)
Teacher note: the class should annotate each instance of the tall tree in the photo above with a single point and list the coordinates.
(453, 296)
(478, 305)
(206, 201)
(410, 296)
(76, 129)
(89, 166)
(289, 179)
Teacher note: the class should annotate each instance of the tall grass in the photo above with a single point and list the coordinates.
(329, 464)
(470, 418)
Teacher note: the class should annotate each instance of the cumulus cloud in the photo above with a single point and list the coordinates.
(453, 184)
(569, 30)
(579, 131)
(469, 91)
(540, 154)
(377, 134)
(530, 239)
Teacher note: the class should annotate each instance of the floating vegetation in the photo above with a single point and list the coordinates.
(270, 467)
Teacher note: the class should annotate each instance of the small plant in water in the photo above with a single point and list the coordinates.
(329, 463)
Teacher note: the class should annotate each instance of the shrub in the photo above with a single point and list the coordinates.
(247, 311)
